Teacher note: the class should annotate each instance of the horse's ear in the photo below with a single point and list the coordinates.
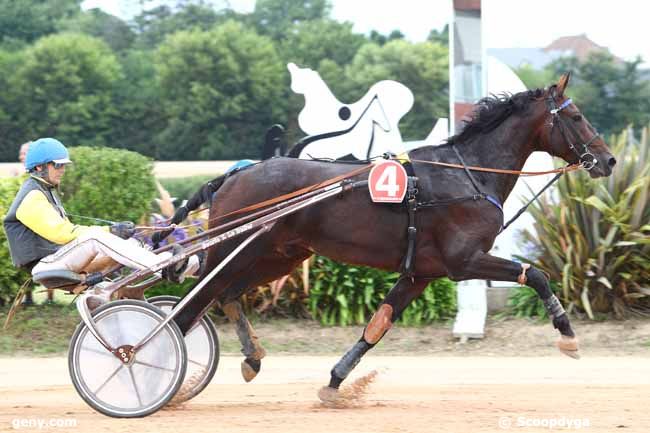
(562, 83)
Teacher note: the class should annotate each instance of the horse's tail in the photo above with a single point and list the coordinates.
(203, 195)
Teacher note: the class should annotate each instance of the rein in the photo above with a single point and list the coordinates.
(561, 170)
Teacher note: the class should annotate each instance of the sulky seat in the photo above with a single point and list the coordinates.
(58, 279)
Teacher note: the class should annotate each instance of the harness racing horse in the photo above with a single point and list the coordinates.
(453, 238)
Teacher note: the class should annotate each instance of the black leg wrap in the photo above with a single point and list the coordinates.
(348, 362)
(553, 307)
(335, 382)
(558, 316)
(563, 325)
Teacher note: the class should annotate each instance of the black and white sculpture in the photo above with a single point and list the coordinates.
(364, 129)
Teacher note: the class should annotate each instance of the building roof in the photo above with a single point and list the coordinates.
(579, 46)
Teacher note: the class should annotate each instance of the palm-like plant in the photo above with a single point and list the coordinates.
(593, 236)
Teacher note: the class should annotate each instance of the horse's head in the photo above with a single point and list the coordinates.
(566, 133)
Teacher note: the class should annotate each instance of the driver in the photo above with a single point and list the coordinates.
(41, 236)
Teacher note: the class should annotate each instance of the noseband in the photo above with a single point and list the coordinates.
(587, 159)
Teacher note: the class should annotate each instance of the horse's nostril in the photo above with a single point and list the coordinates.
(611, 161)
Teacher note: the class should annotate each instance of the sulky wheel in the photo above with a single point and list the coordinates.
(127, 389)
(202, 346)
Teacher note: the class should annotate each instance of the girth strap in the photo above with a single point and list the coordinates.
(408, 262)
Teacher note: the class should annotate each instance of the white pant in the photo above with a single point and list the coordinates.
(96, 250)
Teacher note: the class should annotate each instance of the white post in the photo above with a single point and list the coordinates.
(472, 298)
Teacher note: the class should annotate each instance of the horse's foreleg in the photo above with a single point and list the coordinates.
(251, 347)
(486, 267)
(397, 299)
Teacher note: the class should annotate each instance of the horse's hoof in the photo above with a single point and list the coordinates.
(329, 395)
(568, 346)
(249, 368)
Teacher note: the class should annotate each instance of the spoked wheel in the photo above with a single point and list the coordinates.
(202, 346)
(143, 385)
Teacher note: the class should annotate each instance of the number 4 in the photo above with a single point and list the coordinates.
(387, 181)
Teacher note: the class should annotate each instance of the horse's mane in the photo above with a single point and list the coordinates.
(491, 111)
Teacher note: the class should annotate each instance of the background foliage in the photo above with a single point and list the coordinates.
(64, 88)
(220, 89)
(346, 295)
(190, 79)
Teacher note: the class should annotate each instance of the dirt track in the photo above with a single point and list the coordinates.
(411, 394)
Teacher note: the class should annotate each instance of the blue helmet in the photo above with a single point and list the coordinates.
(239, 165)
(46, 150)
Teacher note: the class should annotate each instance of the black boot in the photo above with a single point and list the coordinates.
(174, 272)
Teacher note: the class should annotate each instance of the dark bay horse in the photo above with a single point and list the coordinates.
(453, 240)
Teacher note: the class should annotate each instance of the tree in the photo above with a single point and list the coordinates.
(220, 91)
(155, 24)
(11, 135)
(611, 94)
(535, 78)
(422, 67)
(275, 18)
(137, 101)
(380, 39)
(311, 42)
(95, 22)
(28, 20)
(440, 37)
(64, 89)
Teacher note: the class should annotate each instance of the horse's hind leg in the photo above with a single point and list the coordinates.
(397, 299)
(262, 270)
(251, 347)
(486, 267)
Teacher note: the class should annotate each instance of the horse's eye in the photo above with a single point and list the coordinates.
(577, 117)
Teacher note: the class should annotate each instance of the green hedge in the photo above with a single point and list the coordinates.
(346, 295)
(111, 184)
(10, 278)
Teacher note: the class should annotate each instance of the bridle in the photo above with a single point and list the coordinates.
(587, 159)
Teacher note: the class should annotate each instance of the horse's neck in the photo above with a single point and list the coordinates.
(506, 147)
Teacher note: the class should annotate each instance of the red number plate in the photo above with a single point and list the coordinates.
(387, 182)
